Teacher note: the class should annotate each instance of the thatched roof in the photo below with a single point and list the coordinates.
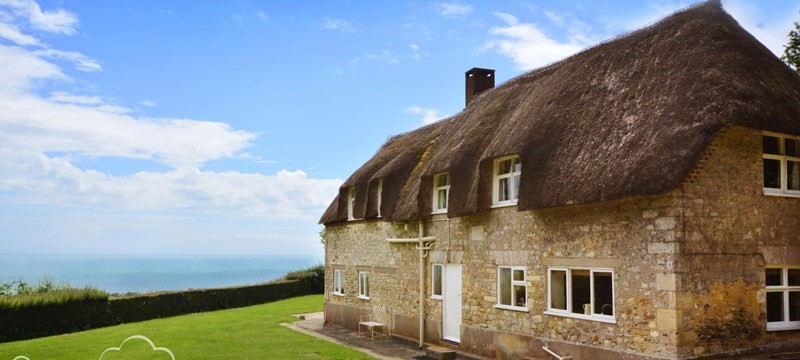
(628, 117)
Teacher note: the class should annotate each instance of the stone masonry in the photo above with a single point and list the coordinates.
(688, 267)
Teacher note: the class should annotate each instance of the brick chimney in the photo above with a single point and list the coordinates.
(477, 81)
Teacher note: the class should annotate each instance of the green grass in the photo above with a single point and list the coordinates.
(244, 333)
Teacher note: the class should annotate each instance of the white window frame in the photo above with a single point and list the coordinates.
(338, 282)
(436, 189)
(511, 182)
(783, 158)
(611, 319)
(523, 283)
(785, 289)
(351, 203)
(363, 285)
(434, 295)
(380, 195)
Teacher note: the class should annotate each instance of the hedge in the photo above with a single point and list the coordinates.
(83, 314)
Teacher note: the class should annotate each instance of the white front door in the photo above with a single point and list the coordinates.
(451, 311)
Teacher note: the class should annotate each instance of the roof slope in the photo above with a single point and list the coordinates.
(628, 117)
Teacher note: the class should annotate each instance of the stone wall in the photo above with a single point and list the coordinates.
(687, 265)
(732, 230)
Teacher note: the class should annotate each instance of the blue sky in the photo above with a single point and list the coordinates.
(225, 127)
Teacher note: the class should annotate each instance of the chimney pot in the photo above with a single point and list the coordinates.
(478, 80)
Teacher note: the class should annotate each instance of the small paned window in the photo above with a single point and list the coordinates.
(363, 285)
(783, 298)
(441, 192)
(351, 203)
(338, 282)
(512, 291)
(436, 281)
(781, 165)
(581, 293)
(505, 187)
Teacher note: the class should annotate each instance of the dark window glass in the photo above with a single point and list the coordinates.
(774, 306)
(794, 277)
(581, 293)
(772, 173)
(603, 294)
(519, 296)
(774, 277)
(772, 145)
(792, 147)
(794, 306)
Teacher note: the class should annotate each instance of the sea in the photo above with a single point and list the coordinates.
(125, 274)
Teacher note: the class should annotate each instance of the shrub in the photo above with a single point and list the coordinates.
(51, 297)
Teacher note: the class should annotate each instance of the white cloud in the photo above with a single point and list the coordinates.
(19, 68)
(86, 126)
(453, 9)
(35, 124)
(10, 32)
(429, 115)
(56, 180)
(65, 97)
(55, 21)
(416, 52)
(82, 62)
(528, 46)
(337, 24)
(262, 16)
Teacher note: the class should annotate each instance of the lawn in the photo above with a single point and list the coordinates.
(244, 333)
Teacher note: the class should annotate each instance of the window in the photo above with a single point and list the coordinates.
(512, 293)
(436, 281)
(351, 203)
(380, 195)
(338, 282)
(363, 285)
(505, 186)
(781, 159)
(581, 293)
(441, 193)
(783, 298)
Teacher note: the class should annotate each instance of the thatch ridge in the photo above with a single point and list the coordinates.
(630, 116)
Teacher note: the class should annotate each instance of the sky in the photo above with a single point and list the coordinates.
(226, 127)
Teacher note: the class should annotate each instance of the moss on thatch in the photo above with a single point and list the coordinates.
(628, 117)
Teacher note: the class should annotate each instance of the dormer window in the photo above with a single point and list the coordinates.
(441, 192)
(380, 195)
(781, 160)
(505, 184)
(351, 203)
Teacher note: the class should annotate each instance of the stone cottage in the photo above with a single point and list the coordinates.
(640, 199)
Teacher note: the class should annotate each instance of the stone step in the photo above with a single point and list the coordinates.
(440, 353)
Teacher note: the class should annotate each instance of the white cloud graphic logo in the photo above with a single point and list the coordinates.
(136, 337)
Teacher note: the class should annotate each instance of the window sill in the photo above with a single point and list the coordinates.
(337, 294)
(512, 308)
(783, 327)
(362, 297)
(440, 211)
(779, 193)
(436, 297)
(500, 205)
(603, 319)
